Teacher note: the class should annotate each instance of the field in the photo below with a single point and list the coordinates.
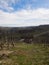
(25, 54)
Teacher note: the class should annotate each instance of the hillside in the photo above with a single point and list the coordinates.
(28, 34)
(24, 45)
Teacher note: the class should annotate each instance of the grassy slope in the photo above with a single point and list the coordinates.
(28, 54)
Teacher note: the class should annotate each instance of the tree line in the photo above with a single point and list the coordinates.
(10, 36)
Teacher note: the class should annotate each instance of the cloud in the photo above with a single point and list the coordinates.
(30, 12)
(14, 5)
(24, 17)
(7, 5)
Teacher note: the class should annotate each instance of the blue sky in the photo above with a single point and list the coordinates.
(18, 13)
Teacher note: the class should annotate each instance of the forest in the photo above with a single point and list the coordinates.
(33, 34)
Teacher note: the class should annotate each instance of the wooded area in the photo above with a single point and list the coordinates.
(12, 35)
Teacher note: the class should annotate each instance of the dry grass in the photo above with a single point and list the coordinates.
(26, 54)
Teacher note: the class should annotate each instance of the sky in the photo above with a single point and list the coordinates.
(19, 13)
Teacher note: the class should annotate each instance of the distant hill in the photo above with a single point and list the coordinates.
(34, 33)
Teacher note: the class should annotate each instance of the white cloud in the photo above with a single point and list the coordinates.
(25, 17)
(6, 4)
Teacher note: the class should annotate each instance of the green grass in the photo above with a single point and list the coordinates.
(28, 54)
